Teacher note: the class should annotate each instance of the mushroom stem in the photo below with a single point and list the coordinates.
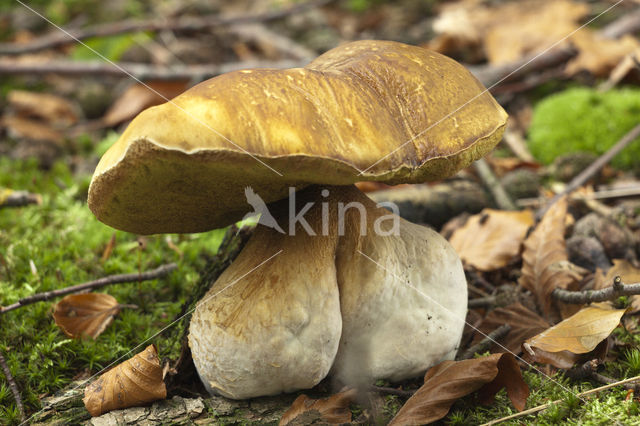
(354, 288)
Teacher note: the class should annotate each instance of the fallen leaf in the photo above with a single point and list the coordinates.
(580, 333)
(55, 110)
(24, 128)
(544, 252)
(524, 324)
(139, 97)
(450, 380)
(627, 272)
(136, 381)
(85, 315)
(491, 239)
(597, 54)
(332, 410)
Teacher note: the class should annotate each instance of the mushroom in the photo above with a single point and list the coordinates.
(335, 283)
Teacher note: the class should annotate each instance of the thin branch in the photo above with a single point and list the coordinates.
(589, 296)
(490, 180)
(12, 385)
(482, 302)
(392, 391)
(549, 404)
(594, 168)
(138, 70)
(486, 342)
(59, 38)
(112, 279)
(628, 23)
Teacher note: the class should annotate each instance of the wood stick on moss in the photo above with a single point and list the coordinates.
(187, 23)
(589, 296)
(486, 342)
(549, 404)
(12, 385)
(594, 168)
(112, 279)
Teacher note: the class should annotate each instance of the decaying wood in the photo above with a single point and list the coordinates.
(59, 38)
(159, 272)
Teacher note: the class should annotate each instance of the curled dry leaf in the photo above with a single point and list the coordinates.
(578, 334)
(544, 251)
(332, 410)
(450, 380)
(627, 272)
(137, 381)
(53, 109)
(490, 240)
(524, 324)
(85, 315)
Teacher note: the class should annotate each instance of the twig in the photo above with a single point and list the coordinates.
(482, 302)
(113, 279)
(392, 391)
(628, 23)
(260, 34)
(549, 404)
(175, 24)
(490, 180)
(12, 385)
(517, 145)
(486, 342)
(589, 296)
(138, 70)
(594, 168)
(10, 198)
(605, 194)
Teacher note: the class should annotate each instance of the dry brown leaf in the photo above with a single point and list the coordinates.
(450, 380)
(491, 239)
(53, 109)
(580, 333)
(597, 54)
(136, 381)
(139, 97)
(85, 315)
(544, 251)
(331, 410)
(562, 359)
(524, 324)
(24, 128)
(508, 31)
(528, 27)
(627, 65)
(627, 272)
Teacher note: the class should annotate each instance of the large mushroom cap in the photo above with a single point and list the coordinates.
(367, 110)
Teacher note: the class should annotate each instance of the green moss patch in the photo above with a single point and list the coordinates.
(583, 119)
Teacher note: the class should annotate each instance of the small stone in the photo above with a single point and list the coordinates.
(587, 252)
(617, 241)
(521, 183)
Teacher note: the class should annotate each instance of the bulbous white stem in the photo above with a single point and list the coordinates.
(369, 296)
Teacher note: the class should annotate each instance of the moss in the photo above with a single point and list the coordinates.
(65, 242)
(582, 119)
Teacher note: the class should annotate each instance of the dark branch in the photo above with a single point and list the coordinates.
(12, 385)
(138, 70)
(392, 391)
(113, 279)
(486, 343)
(589, 296)
(59, 38)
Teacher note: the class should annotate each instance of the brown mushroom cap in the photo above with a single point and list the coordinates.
(367, 110)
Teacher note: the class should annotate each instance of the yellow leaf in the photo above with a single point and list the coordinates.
(581, 332)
